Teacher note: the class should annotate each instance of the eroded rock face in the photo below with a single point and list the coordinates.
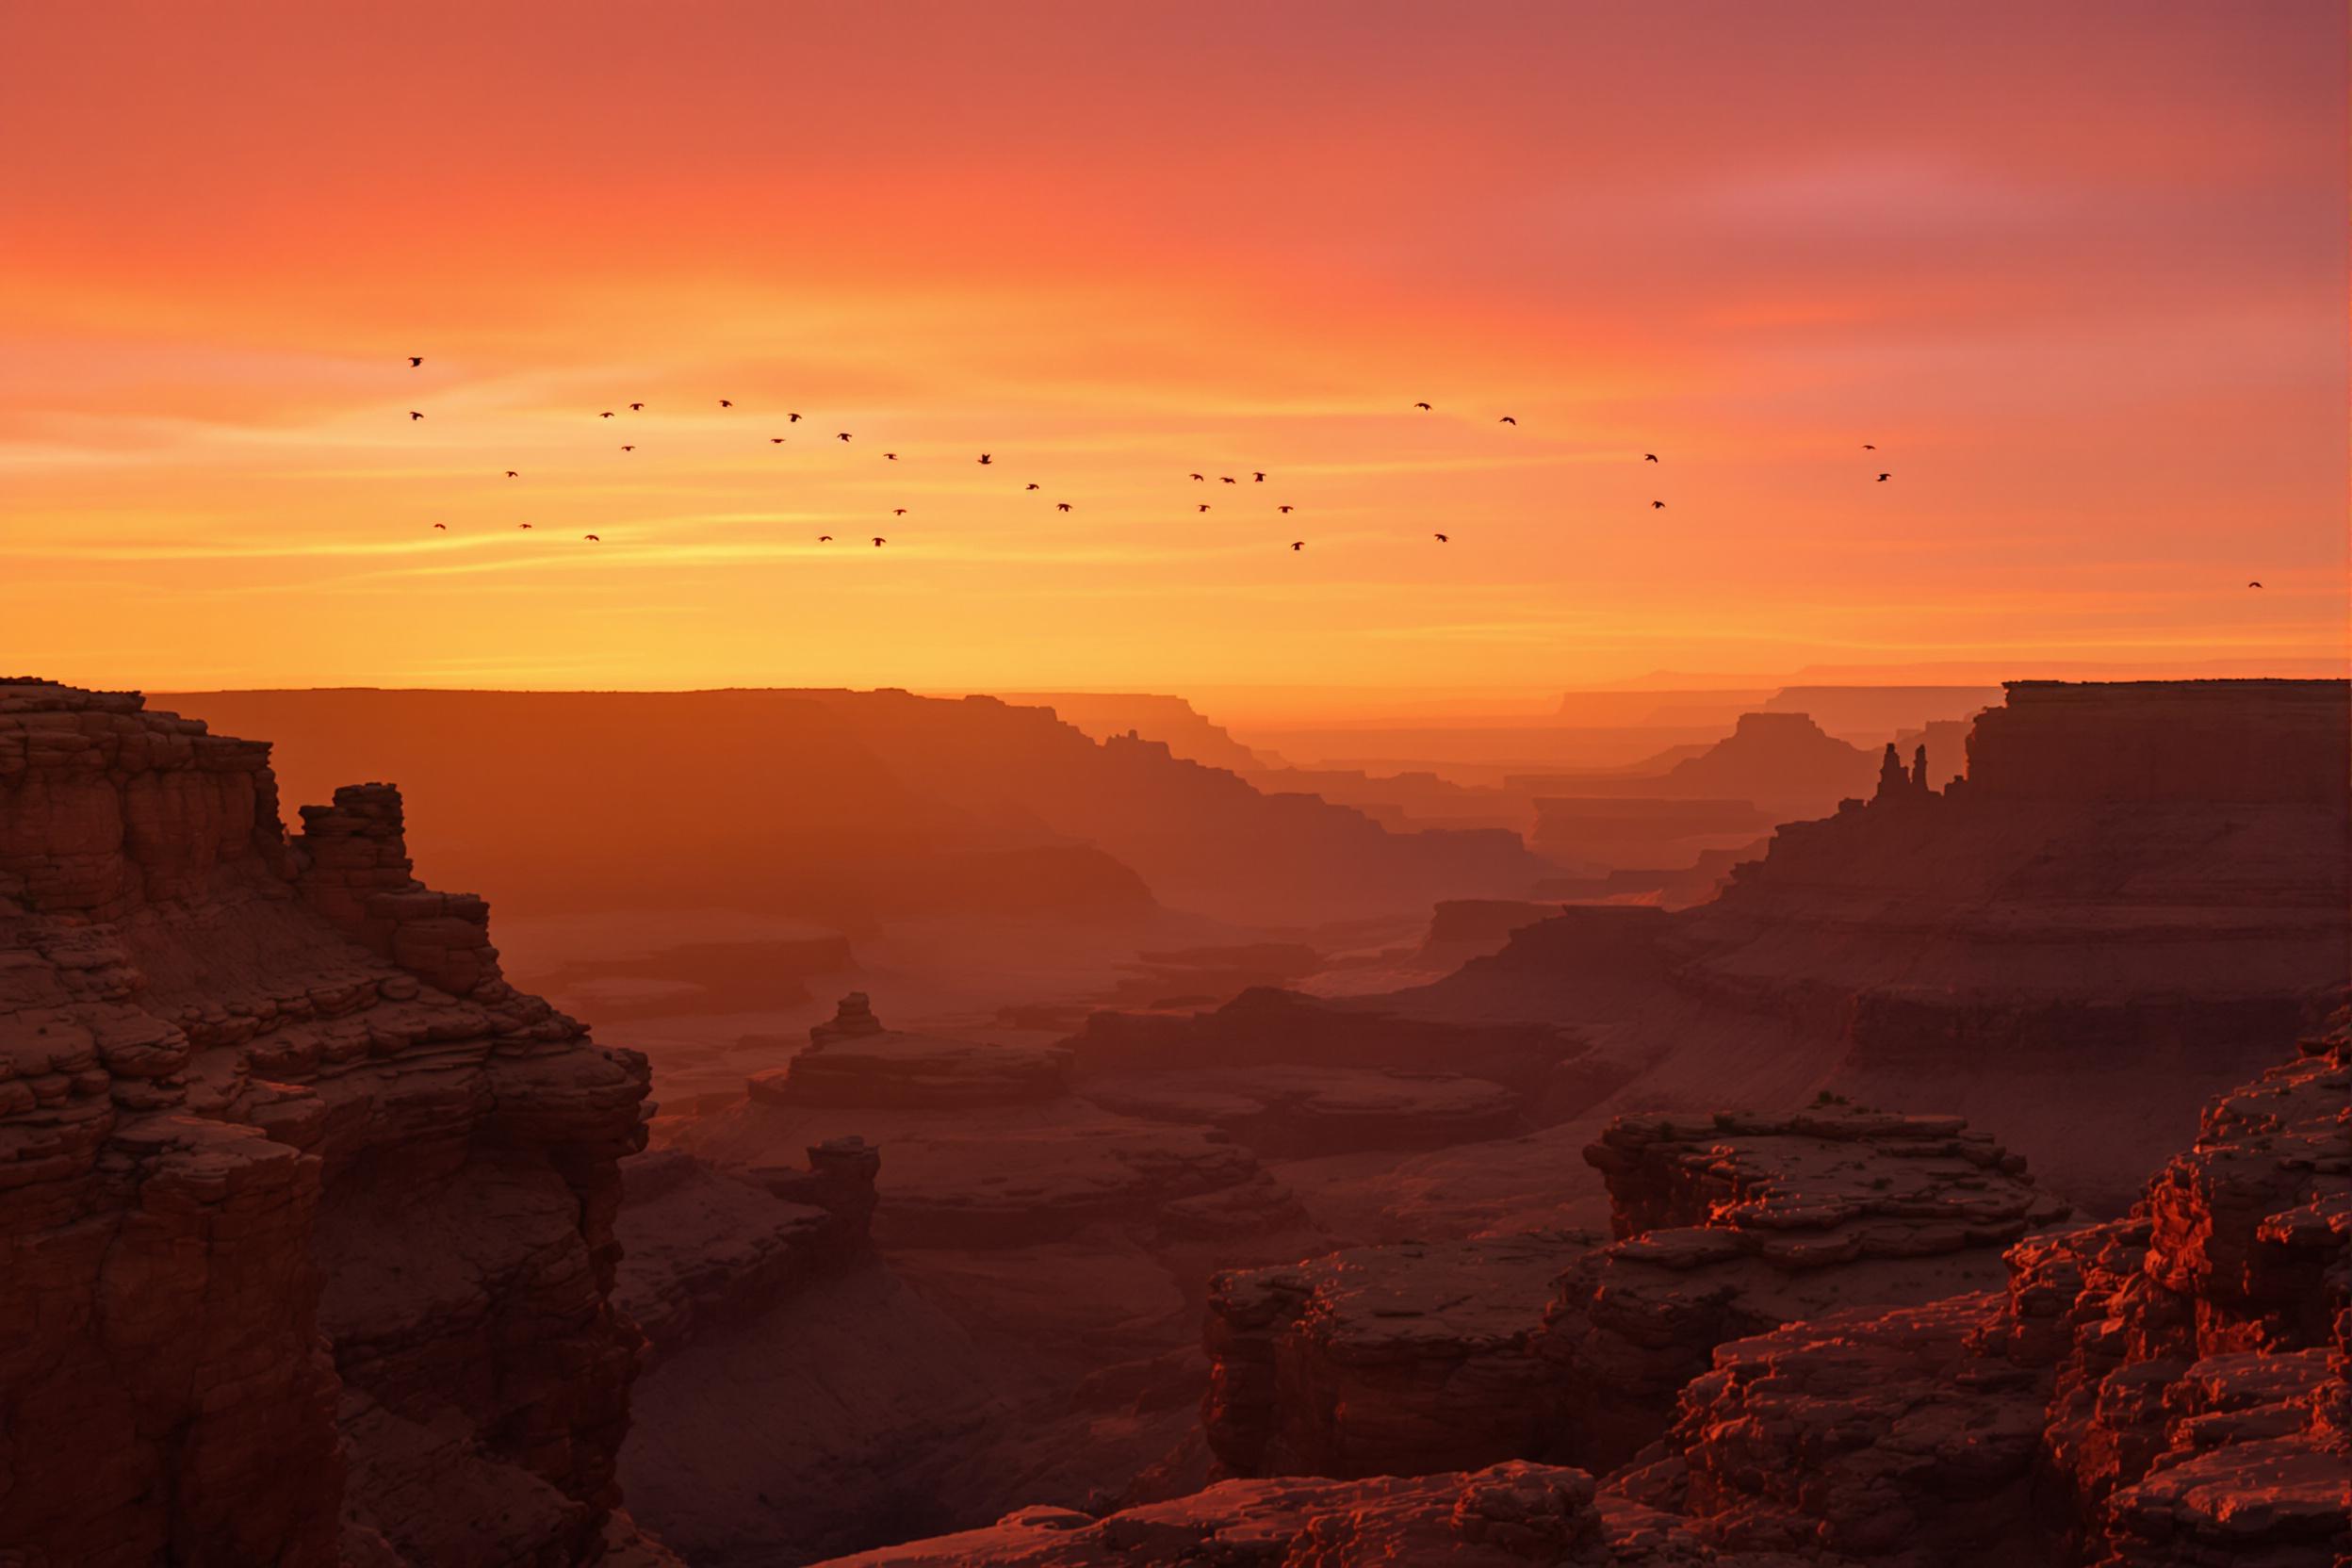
(307, 1215)
(1398, 1359)
(2162, 1391)
(1737, 1223)
(703, 1249)
(1505, 1516)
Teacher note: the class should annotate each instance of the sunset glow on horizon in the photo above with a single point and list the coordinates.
(2092, 324)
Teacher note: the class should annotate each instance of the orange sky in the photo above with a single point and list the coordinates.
(2077, 269)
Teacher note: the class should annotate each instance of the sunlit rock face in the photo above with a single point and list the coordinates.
(2166, 1389)
(1735, 1223)
(307, 1213)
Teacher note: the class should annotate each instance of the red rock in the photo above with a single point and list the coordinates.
(306, 1215)
(1401, 1359)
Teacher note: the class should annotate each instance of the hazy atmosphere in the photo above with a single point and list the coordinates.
(1276, 785)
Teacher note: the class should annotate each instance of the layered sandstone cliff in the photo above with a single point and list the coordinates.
(307, 1215)
(2139, 886)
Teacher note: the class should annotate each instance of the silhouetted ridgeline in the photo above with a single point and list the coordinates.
(844, 805)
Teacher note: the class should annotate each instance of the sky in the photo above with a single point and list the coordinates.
(2075, 272)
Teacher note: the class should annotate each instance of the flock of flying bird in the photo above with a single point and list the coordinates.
(989, 459)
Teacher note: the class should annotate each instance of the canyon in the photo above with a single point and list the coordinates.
(1081, 1153)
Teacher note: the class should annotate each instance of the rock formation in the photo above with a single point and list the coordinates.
(2099, 903)
(1431, 1356)
(1505, 1516)
(853, 1060)
(2162, 1391)
(702, 1248)
(1397, 1359)
(307, 1214)
(2171, 1389)
(1733, 1224)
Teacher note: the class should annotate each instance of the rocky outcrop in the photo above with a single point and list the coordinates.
(308, 1215)
(1399, 1360)
(704, 1248)
(1504, 1516)
(1733, 1224)
(2163, 1391)
(853, 1060)
(1437, 1356)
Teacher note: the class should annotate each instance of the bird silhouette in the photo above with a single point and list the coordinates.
(1507, 420)
(1424, 408)
(1657, 506)
(1283, 510)
(413, 414)
(898, 511)
(522, 525)
(1203, 477)
(512, 474)
(636, 408)
(629, 449)
(1439, 537)
(825, 538)
(606, 414)
(1227, 478)
(845, 435)
(879, 541)
(724, 403)
(1061, 506)
(1032, 487)
(414, 360)
(1649, 457)
(892, 456)
(1257, 478)
(1204, 506)
(592, 538)
(1297, 544)
(776, 440)
(1883, 477)
(792, 417)
(1869, 446)
(986, 459)
(444, 527)
(2249, 585)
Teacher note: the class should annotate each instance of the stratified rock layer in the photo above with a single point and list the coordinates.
(1395, 1359)
(305, 1215)
(1737, 1223)
(2164, 1391)
(703, 1249)
(853, 1060)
